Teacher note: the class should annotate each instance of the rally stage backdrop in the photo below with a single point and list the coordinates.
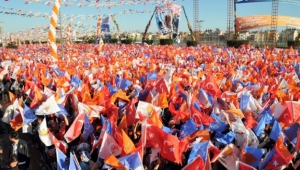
(260, 21)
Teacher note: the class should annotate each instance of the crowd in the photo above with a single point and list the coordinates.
(153, 107)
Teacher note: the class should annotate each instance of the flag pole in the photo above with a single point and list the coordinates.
(61, 37)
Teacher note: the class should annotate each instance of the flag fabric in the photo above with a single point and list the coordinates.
(199, 149)
(48, 107)
(195, 164)
(109, 147)
(276, 131)
(44, 134)
(132, 161)
(228, 156)
(225, 139)
(187, 128)
(58, 144)
(87, 127)
(114, 162)
(218, 125)
(75, 129)
(61, 159)
(242, 166)
(28, 115)
(128, 145)
(74, 164)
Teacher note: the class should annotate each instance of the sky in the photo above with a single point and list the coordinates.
(212, 12)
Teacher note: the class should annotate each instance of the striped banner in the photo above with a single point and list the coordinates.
(52, 30)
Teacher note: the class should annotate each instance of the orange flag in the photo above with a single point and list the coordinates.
(114, 162)
(128, 145)
(162, 101)
(204, 134)
(123, 124)
(156, 120)
(17, 122)
(12, 97)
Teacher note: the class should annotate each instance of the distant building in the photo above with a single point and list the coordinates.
(288, 34)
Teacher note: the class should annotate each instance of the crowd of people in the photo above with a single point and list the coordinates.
(152, 107)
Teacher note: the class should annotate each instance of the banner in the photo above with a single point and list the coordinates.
(105, 28)
(260, 21)
(167, 19)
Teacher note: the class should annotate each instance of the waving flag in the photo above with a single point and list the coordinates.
(61, 159)
(74, 164)
(199, 149)
(75, 129)
(188, 128)
(88, 127)
(218, 125)
(196, 164)
(43, 133)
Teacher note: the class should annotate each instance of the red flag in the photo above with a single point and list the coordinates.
(75, 129)
(298, 140)
(161, 86)
(130, 112)
(210, 85)
(197, 116)
(196, 164)
(250, 121)
(154, 136)
(170, 148)
(57, 143)
(243, 166)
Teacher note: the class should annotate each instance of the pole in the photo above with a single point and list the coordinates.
(235, 30)
(148, 25)
(1, 31)
(189, 25)
(61, 37)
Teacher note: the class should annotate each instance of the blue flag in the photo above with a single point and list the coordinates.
(88, 127)
(244, 101)
(74, 165)
(106, 124)
(291, 132)
(167, 129)
(199, 149)
(225, 139)
(255, 152)
(151, 76)
(276, 131)
(218, 125)
(132, 161)
(75, 81)
(188, 128)
(112, 90)
(29, 115)
(62, 110)
(61, 160)
(124, 84)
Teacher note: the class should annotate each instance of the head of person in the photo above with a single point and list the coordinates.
(13, 137)
(1, 149)
(13, 161)
(85, 156)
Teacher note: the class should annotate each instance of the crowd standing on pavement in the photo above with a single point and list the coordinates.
(152, 107)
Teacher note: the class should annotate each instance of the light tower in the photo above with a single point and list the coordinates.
(274, 18)
(230, 20)
(196, 20)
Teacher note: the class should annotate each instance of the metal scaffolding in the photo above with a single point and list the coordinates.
(196, 20)
(230, 21)
(274, 18)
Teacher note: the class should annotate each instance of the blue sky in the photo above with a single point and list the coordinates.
(213, 12)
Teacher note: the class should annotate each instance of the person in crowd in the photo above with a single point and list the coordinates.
(12, 163)
(85, 161)
(19, 149)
